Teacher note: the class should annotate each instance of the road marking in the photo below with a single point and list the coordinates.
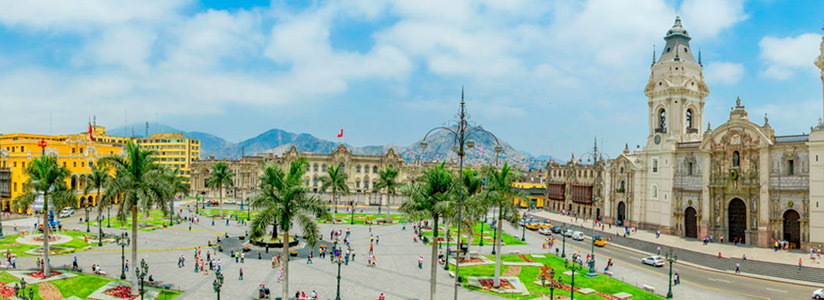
(721, 280)
(775, 290)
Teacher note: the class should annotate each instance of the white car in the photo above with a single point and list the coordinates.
(66, 212)
(545, 231)
(818, 294)
(568, 233)
(578, 236)
(229, 201)
(655, 261)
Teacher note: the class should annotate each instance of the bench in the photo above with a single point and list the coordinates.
(473, 253)
(514, 252)
(451, 274)
(648, 288)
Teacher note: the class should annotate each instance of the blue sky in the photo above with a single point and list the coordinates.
(546, 76)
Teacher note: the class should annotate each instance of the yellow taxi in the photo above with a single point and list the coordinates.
(599, 241)
(532, 226)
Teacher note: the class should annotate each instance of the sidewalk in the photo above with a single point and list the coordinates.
(760, 261)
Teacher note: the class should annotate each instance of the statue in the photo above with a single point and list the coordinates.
(766, 120)
(738, 102)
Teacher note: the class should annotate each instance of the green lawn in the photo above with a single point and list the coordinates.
(487, 233)
(529, 275)
(81, 286)
(156, 219)
(9, 243)
(361, 219)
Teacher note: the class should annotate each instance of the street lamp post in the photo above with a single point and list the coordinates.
(123, 242)
(352, 212)
(523, 227)
(572, 288)
(99, 230)
(482, 231)
(141, 274)
(671, 258)
(591, 262)
(339, 261)
(563, 241)
(109, 215)
(88, 223)
(462, 133)
(218, 283)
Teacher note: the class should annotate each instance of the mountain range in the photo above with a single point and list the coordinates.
(439, 146)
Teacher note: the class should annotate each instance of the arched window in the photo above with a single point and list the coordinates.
(662, 120)
(375, 169)
(623, 186)
(735, 159)
(654, 192)
(689, 118)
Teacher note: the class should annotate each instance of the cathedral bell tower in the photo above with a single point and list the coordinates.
(676, 92)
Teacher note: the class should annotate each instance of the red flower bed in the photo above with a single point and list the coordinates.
(490, 283)
(121, 291)
(6, 292)
(39, 274)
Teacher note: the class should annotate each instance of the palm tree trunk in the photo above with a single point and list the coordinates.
(285, 264)
(99, 216)
(433, 274)
(220, 204)
(135, 291)
(335, 201)
(46, 269)
(497, 281)
(387, 206)
(145, 212)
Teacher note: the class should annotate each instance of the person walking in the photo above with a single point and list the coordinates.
(420, 263)
(737, 268)
(309, 258)
(799, 264)
(241, 274)
(677, 278)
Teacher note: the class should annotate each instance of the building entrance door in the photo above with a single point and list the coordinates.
(690, 223)
(737, 220)
(622, 211)
(792, 229)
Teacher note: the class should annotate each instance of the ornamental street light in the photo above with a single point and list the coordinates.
(563, 241)
(572, 289)
(523, 227)
(338, 261)
(462, 133)
(218, 283)
(591, 262)
(141, 274)
(87, 209)
(123, 242)
(99, 230)
(671, 258)
(109, 215)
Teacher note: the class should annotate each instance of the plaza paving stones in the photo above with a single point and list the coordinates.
(151, 293)
(34, 280)
(517, 286)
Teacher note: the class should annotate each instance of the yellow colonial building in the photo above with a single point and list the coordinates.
(76, 152)
(174, 151)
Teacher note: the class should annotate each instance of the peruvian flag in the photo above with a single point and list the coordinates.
(340, 135)
(91, 132)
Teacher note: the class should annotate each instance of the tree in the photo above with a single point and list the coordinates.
(97, 180)
(474, 205)
(284, 199)
(176, 186)
(335, 179)
(427, 199)
(138, 180)
(387, 179)
(45, 177)
(218, 178)
(502, 195)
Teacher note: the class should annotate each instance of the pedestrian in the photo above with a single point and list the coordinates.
(799, 264)
(719, 254)
(659, 250)
(722, 240)
(127, 265)
(241, 274)
(280, 274)
(737, 268)
(378, 240)
(381, 297)
(677, 278)
(353, 254)
(420, 263)
(309, 258)
(744, 257)
(242, 257)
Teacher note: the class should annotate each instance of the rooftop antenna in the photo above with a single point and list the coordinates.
(653, 54)
(699, 57)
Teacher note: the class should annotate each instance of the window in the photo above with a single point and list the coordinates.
(316, 167)
(24, 165)
(689, 118)
(375, 169)
(623, 187)
(655, 165)
(791, 167)
(74, 165)
(654, 192)
(662, 120)
(357, 169)
(689, 168)
(736, 159)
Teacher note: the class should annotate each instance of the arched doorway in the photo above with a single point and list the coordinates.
(737, 220)
(622, 211)
(690, 223)
(570, 208)
(792, 229)
(598, 214)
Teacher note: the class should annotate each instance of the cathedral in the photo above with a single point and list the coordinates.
(738, 180)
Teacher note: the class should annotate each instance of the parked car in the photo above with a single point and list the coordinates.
(555, 229)
(578, 236)
(568, 233)
(545, 231)
(546, 225)
(532, 226)
(599, 241)
(818, 294)
(655, 261)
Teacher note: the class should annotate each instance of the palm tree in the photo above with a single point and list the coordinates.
(427, 199)
(474, 204)
(502, 195)
(176, 186)
(98, 179)
(48, 178)
(138, 180)
(387, 179)
(335, 179)
(284, 199)
(218, 178)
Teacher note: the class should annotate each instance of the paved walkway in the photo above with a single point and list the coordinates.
(760, 261)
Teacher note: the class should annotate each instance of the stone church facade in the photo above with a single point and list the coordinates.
(738, 180)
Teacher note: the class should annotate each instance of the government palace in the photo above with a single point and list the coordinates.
(738, 180)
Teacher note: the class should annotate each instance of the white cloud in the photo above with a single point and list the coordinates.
(783, 56)
(84, 15)
(723, 73)
(707, 18)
